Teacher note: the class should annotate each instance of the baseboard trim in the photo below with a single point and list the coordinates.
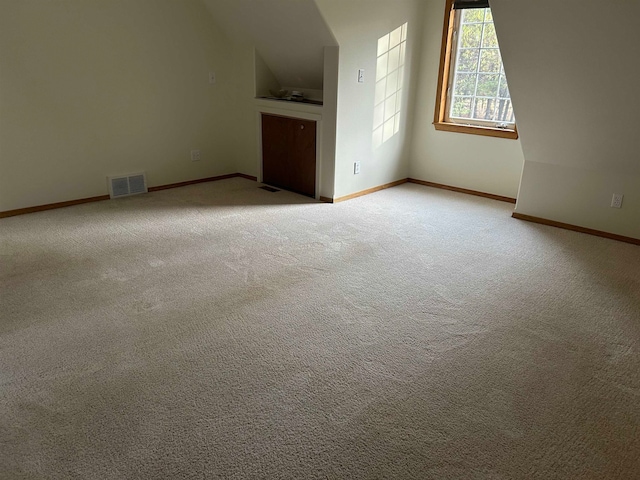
(70, 203)
(462, 190)
(193, 182)
(369, 190)
(576, 228)
(244, 175)
(51, 206)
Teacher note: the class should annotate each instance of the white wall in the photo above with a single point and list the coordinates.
(266, 81)
(290, 35)
(486, 164)
(357, 26)
(573, 70)
(103, 87)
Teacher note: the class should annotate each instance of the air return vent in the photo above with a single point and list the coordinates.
(123, 186)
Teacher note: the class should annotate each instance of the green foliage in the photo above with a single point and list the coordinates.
(490, 39)
(465, 84)
(473, 15)
(487, 85)
(468, 60)
(490, 61)
(461, 107)
(471, 36)
(483, 95)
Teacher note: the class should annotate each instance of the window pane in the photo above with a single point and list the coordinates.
(471, 36)
(484, 109)
(504, 111)
(468, 61)
(465, 84)
(490, 39)
(504, 88)
(487, 85)
(490, 61)
(461, 107)
(473, 15)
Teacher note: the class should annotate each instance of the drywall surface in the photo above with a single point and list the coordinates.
(290, 35)
(329, 120)
(358, 25)
(486, 164)
(571, 68)
(107, 87)
(266, 82)
(580, 197)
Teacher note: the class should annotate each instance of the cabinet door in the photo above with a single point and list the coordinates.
(289, 153)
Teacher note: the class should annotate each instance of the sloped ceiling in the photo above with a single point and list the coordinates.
(290, 35)
(573, 74)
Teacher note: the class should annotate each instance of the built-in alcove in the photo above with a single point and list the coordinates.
(317, 112)
(268, 86)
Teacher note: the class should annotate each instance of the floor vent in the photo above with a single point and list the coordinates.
(269, 189)
(124, 186)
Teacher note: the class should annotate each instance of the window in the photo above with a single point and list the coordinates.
(473, 95)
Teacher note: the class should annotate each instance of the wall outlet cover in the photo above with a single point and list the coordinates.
(195, 155)
(212, 78)
(616, 201)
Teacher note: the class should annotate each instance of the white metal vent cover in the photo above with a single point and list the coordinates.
(124, 186)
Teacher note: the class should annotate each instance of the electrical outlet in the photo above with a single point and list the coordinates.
(356, 168)
(616, 201)
(212, 78)
(361, 75)
(195, 155)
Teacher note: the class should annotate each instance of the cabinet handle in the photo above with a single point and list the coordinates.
(301, 127)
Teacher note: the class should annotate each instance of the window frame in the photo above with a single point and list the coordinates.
(445, 74)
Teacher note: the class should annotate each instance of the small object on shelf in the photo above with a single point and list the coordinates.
(279, 93)
(297, 96)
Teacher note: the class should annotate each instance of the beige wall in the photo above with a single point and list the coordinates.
(290, 35)
(491, 165)
(573, 70)
(103, 87)
(357, 26)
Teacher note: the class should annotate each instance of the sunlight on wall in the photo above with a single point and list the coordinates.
(389, 80)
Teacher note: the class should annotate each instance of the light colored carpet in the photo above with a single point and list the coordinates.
(222, 331)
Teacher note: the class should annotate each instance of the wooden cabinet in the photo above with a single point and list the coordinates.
(289, 153)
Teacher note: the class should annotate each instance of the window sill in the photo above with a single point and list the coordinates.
(474, 130)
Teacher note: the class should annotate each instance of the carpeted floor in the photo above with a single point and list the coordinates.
(222, 331)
